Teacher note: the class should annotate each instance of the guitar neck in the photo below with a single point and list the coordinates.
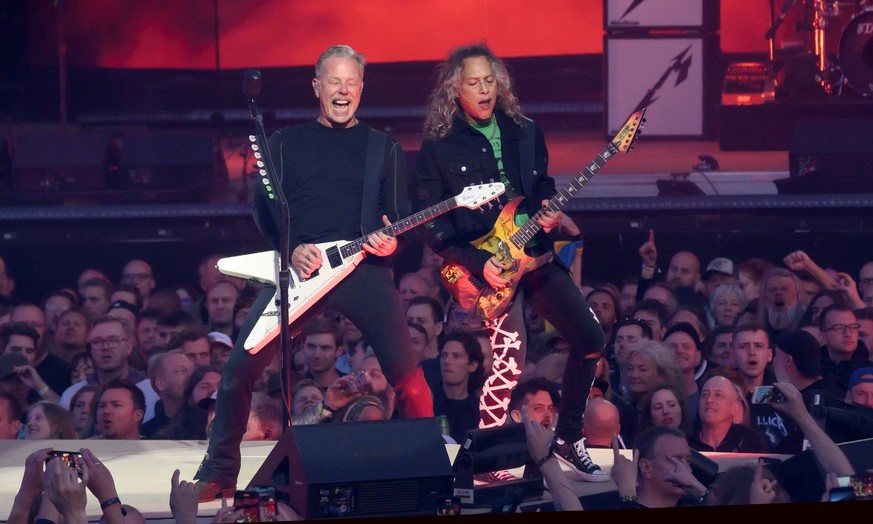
(401, 226)
(526, 232)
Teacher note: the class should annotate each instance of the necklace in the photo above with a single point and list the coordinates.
(493, 124)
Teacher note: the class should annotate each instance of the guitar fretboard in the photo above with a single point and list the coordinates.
(526, 232)
(401, 226)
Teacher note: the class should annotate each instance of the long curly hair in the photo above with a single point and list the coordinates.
(443, 100)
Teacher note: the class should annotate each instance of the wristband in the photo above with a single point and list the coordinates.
(43, 390)
(326, 410)
(108, 502)
(627, 499)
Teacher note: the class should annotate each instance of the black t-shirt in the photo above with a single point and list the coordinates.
(55, 372)
(739, 439)
(323, 181)
(328, 179)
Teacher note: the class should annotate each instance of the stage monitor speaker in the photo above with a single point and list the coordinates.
(171, 160)
(486, 450)
(673, 76)
(830, 155)
(683, 15)
(360, 469)
(63, 161)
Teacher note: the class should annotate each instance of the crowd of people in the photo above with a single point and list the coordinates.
(666, 362)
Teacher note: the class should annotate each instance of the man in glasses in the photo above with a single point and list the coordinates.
(841, 354)
(110, 342)
(139, 273)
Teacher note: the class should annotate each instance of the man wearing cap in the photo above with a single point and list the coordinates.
(682, 339)
(220, 346)
(797, 360)
(53, 369)
(720, 271)
(861, 387)
(123, 310)
(21, 338)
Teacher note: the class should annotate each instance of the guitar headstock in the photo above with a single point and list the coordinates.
(624, 140)
(474, 196)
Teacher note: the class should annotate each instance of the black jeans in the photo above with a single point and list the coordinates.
(554, 295)
(367, 297)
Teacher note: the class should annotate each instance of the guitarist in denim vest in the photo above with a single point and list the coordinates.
(326, 169)
(475, 133)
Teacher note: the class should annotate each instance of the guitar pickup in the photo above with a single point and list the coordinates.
(333, 256)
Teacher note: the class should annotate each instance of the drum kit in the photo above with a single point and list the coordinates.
(828, 44)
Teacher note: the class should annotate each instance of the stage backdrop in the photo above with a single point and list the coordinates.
(233, 34)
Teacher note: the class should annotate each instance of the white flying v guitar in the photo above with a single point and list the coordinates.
(339, 260)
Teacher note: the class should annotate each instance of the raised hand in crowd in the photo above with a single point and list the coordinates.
(649, 252)
(540, 447)
(829, 455)
(29, 376)
(849, 288)
(800, 261)
(31, 486)
(684, 478)
(101, 484)
(624, 471)
(183, 499)
(762, 490)
(65, 493)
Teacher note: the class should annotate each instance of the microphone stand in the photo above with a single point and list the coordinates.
(770, 35)
(284, 274)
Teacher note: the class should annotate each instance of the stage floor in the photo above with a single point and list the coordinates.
(142, 471)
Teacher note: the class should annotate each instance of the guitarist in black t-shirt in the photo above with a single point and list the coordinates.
(341, 178)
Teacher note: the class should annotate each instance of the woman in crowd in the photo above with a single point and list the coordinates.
(47, 420)
(82, 408)
(665, 406)
(81, 366)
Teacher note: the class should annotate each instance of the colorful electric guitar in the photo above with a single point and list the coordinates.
(339, 259)
(507, 241)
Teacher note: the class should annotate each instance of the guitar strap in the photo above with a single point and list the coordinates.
(373, 164)
(527, 153)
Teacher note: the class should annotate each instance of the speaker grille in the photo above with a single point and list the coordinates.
(400, 496)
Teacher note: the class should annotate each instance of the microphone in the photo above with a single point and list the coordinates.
(251, 86)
